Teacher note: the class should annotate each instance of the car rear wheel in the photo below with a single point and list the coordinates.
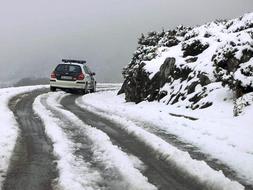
(93, 89)
(84, 91)
(53, 89)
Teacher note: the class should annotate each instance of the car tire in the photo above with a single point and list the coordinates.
(93, 89)
(52, 89)
(84, 92)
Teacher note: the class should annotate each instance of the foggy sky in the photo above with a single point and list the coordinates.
(36, 34)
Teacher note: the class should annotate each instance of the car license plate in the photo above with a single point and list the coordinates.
(66, 77)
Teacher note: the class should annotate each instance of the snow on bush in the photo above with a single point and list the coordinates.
(187, 64)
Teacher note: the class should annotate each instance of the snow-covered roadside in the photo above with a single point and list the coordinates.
(106, 85)
(81, 177)
(8, 125)
(216, 132)
(114, 107)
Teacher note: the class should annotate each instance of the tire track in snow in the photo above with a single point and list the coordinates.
(192, 168)
(32, 163)
(165, 176)
(181, 144)
(95, 148)
(194, 152)
(74, 173)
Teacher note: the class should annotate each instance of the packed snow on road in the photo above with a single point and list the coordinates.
(74, 172)
(215, 131)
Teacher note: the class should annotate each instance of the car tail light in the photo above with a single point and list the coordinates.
(80, 76)
(53, 75)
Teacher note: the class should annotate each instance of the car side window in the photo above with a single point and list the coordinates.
(89, 71)
(86, 70)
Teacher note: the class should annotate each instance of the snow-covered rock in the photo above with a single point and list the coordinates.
(188, 64)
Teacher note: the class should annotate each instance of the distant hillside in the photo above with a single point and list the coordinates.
(190, 66)
(5, 84)
(31, 81)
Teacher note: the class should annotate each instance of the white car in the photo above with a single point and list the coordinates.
(73, 75)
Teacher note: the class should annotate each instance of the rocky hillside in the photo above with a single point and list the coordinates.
(187, 65)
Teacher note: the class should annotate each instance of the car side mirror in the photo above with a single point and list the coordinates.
(93, 74)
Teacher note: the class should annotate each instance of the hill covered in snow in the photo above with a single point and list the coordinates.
(190, 67)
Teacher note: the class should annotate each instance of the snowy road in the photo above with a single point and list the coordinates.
(32, 162)
(62, 145)
(157, 171)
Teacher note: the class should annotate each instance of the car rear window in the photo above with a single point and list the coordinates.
(68, 68)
